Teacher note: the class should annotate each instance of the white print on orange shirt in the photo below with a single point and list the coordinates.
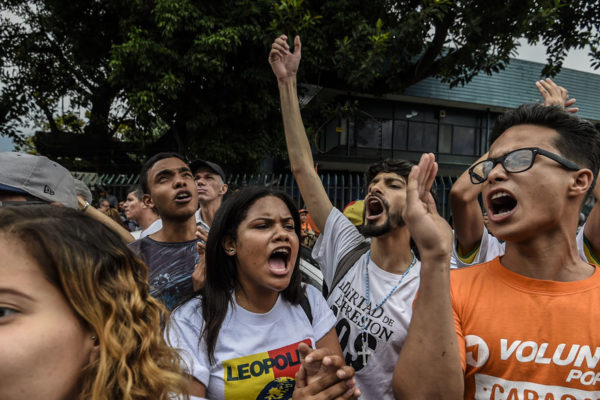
(492, 388)
(477, 353)
(530, 351)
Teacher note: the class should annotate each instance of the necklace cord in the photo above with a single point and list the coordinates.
(363, 319)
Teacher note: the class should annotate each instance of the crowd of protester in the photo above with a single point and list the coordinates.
(184, 290)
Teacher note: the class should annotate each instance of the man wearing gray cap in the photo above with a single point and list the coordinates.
(29, 179)
(210, 181)
(35, 179)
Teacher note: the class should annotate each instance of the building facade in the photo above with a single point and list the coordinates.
(453, 123)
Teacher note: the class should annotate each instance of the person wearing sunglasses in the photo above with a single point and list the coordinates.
(524, 324)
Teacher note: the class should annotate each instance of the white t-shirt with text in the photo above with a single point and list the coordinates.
(386, 328)
(255, 353)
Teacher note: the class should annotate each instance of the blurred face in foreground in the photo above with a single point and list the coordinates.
(43, 345)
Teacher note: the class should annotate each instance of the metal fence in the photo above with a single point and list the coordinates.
(342, 188)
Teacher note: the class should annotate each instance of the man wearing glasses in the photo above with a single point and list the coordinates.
(524, 325)
(473, 242)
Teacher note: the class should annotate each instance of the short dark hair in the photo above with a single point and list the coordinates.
(221, 270)
(399, 167)
(578, 140)
(150, 163)
(136, 190)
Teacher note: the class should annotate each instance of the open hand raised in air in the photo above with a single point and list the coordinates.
(283, 62)
(555, 95)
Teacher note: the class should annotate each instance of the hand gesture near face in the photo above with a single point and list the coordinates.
(429, 230)
(283, 62)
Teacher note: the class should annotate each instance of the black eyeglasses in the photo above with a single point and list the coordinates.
(514, 162)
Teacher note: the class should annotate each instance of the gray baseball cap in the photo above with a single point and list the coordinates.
(82, 190)
(37, 176)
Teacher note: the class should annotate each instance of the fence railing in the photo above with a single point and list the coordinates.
(342, 188)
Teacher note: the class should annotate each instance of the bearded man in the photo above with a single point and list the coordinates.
(373, 299)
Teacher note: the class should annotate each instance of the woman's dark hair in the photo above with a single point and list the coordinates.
(221, 269)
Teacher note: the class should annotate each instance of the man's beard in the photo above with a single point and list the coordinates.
(393, 221)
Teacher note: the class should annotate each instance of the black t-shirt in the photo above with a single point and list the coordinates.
(170, 268)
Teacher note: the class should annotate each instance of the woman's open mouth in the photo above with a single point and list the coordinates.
(279, 261)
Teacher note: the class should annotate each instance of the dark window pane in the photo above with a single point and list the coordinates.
(400, 135)
(445, 139)
(368, 134)
(386, 134)
(422, 136)
(463, 140)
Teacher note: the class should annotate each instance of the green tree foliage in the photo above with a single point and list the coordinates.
(192, 75)
(55, 58)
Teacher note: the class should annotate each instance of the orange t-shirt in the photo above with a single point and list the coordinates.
(526, 339)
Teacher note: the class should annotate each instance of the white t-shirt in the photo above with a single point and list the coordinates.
(386, 328)
(490, 247)
(255, 353)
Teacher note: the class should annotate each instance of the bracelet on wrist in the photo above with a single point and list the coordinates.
(85, 207)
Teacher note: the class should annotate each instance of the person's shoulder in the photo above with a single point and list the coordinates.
(336, 214)
(189, 311)
(313, 293)
(140, 243)
(472, 273)
(340, 229)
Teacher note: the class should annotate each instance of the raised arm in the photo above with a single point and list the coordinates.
(466, 212)
(105, 219)
(429, 364)
(285, 66)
